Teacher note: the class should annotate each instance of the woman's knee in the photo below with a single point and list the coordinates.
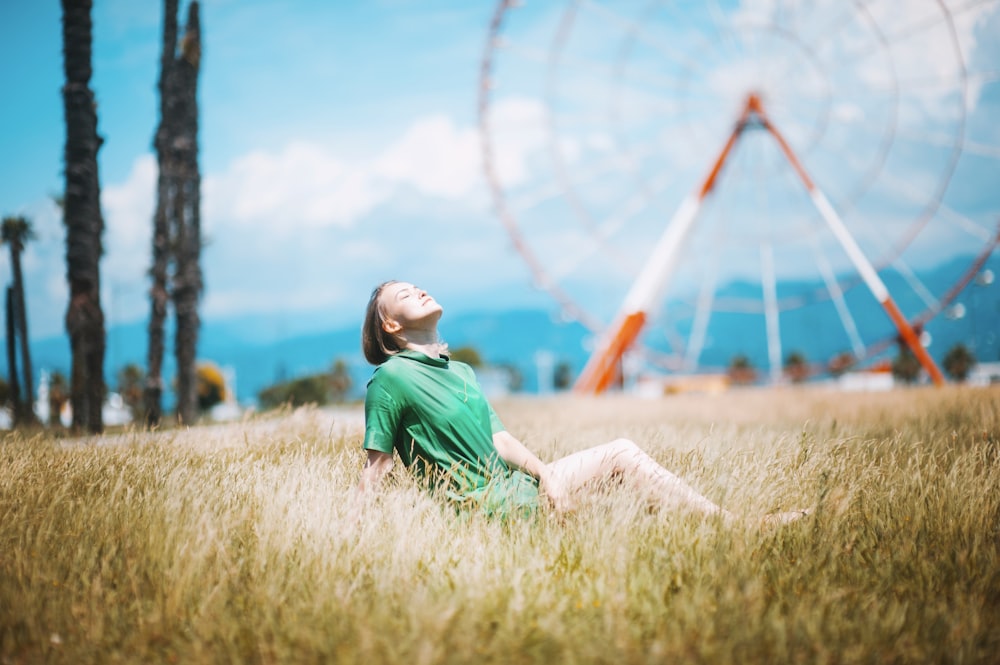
(625, 453)
(625, 446)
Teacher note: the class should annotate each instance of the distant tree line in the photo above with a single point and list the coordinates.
(330, 387)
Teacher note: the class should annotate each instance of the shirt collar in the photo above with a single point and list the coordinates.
(423, 358)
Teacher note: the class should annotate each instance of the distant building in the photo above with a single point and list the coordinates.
(984, 374)
(494, 381)
(657, 385)
(866, 381)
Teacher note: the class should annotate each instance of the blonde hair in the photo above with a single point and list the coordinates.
(377, 344)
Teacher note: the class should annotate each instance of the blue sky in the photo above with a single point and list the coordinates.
(302, 111)
(340, 146)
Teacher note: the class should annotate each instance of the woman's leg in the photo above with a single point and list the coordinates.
(624, 459)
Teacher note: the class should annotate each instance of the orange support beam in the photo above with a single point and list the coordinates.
(603, 368)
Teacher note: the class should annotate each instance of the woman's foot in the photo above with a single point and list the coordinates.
(772, 519)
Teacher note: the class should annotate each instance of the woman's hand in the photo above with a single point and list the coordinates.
(550, 485)
(552, 488)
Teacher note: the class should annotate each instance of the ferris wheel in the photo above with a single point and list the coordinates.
(691, 178)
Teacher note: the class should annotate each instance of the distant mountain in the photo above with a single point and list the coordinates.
(501, 338)
(261, 351)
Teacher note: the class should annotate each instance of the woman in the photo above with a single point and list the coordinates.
(431, 411)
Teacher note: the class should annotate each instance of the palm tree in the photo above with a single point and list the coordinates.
(562, 376)
(187, 281)
(84, 224)
(153, 398)
(841, 363)
(15, 389)
(741, 370)
(15, 232)
(905, 366)
(4, 391)
(796, 367)
(958, 362)
(177, 221)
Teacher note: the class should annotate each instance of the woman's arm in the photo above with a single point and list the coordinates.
(517, 455)
(377, 465)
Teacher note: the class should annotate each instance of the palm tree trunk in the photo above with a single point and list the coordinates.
(187, 283)
(177, 224)
(21, 320)
(166, 186)
(84, 224)
(153, 391)
(15, 383)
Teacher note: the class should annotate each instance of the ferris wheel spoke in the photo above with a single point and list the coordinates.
(807, 97)
(914, 282)
(902, 35)
(671, 114)
(571, 185)
(980, 78)
(961, 8)
(702, 313)
(808, 92)
(661, 81)
(527, 201)
(903, 269)
(633, 76)
(939, 140)
(831, 31)
(932, 82)
(567, 120)
(935, 20)
(965, 223)
(541, 56)
(584, 66)
(722, 28)
(643, 35)
(769, 285)
(905, 189)
(782, 15)
(610, 226)
(839, 303)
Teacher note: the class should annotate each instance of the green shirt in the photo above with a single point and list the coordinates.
(434, 414)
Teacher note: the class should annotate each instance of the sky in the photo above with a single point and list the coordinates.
(338, 149)
(345, 143)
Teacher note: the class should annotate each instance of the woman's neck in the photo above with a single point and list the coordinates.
(426, 342)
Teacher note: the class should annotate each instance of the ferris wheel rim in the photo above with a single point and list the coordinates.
(571, 308)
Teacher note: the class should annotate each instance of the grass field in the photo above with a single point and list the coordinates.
(235, 543)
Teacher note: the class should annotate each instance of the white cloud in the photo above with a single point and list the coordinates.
(128, 218)
(223, 303)
(434, 157)
(517, 132)
(283, 226)
(304, 185)
(307, 185)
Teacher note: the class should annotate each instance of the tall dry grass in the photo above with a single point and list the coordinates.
(236, 543)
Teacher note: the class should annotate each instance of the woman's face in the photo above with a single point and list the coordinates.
(407, 307)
